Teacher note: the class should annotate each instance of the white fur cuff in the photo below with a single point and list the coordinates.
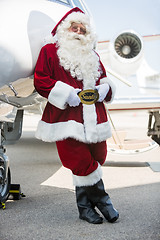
(88, 180)
(59, 94)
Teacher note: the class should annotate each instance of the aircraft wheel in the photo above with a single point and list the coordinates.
(4, 186)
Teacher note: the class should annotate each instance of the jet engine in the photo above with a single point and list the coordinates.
(126, 53)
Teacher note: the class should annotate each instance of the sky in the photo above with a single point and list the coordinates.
(111, 17)
(114, 16)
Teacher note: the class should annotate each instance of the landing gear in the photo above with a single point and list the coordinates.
(9, 132)
(154, 129)
(5, 181)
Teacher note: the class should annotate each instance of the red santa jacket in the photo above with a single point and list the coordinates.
(86, 123)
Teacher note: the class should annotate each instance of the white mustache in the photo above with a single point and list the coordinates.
(72, 35)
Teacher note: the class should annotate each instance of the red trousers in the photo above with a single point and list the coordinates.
(81, 158)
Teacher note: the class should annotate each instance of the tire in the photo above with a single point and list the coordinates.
(5, 187)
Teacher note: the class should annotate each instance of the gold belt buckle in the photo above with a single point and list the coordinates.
(88, 96)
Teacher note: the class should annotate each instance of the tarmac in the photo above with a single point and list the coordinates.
(131, 176)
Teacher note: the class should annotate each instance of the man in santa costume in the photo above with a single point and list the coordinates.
(64, 69)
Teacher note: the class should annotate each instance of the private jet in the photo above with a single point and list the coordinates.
(25, 26)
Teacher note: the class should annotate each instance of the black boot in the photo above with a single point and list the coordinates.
(86, 209)
(101, 200)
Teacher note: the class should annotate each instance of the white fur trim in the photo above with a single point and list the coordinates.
(58, 131)
(111, 84)
(88, 180)
(103, 131)
(90, 122)
(59, 94)
(77, 17)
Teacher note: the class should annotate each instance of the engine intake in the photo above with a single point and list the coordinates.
(126, 53)
(127, 45)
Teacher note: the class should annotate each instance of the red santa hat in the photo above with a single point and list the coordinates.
(74, 15)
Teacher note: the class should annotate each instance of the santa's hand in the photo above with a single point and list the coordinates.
(73, 99)
(103, 89)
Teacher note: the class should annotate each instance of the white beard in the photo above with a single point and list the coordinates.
(76, 55)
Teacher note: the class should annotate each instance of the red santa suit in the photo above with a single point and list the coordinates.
(80, 132)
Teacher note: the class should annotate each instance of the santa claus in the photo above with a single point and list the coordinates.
(70, 75)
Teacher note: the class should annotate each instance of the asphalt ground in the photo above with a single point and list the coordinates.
(49, 211)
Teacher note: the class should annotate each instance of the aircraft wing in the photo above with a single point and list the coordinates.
(135, 103)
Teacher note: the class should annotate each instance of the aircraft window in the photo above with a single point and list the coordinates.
(78, 4)
(61, 1)
(64, 1)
